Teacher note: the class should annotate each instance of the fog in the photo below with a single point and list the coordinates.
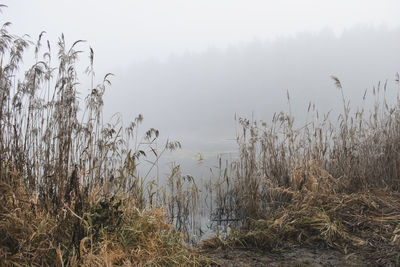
(190, 66)
(125, 31)
(194, 97)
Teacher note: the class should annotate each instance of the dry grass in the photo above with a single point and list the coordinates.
(113, 232)
(329, 183)
(366, 223)
(72, 193)
(357, 153)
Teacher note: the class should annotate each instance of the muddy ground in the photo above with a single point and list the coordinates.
(284, 257)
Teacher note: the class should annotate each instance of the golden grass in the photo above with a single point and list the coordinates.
(115, 233)
(365, 222)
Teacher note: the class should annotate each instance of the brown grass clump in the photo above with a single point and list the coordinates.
(114, 233)
(144, 238)
(26, 233)
(310, 176)
(365, 223)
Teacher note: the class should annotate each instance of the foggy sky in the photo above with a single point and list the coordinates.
(123, 31)
(193, 97)
(189, 66)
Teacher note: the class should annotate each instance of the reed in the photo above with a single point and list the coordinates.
(315, 183)
(72, 192)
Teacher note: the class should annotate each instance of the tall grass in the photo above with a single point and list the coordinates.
(72, 189)
(329, 182)
(359, 150)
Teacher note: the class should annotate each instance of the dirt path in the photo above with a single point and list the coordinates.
(293, 257)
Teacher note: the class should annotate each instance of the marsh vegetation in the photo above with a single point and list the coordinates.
(73, 192)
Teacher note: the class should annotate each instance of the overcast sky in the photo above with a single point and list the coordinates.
(126, 31)
(189, 66)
